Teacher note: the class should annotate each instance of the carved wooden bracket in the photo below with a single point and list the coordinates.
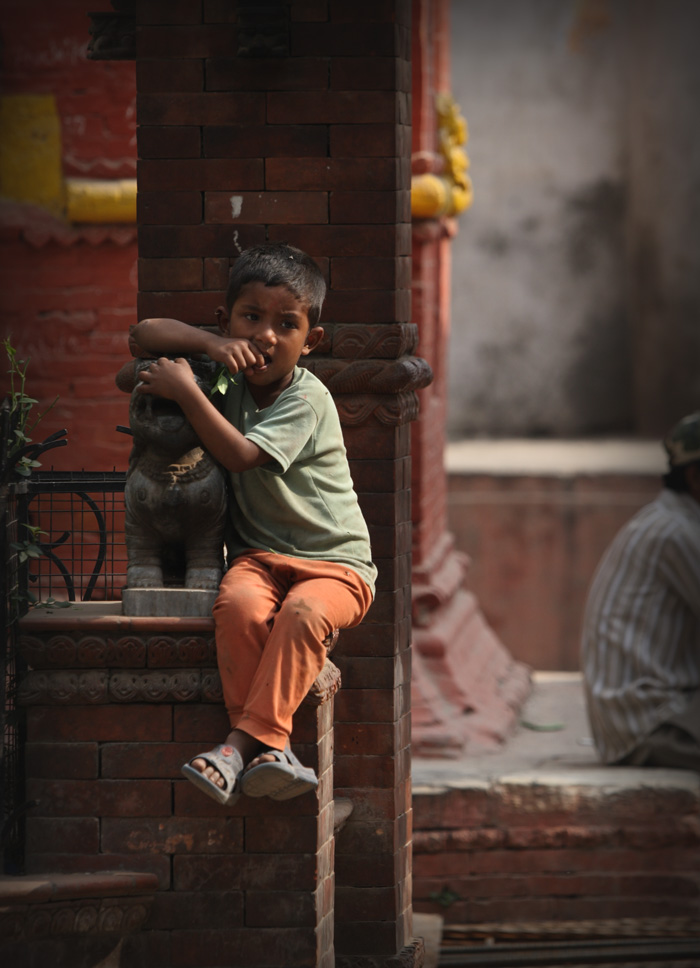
(371, 376)
(393, 409)
(384, 341)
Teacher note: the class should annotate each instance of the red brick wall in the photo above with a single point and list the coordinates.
(312, 148)
(523, 850)
(536, 542)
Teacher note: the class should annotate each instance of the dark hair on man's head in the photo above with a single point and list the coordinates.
(279, 264)
(676, 479)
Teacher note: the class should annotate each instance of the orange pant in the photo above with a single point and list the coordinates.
(271, 615)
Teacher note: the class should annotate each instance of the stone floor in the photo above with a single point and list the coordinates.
(553, 734)
(552, 742)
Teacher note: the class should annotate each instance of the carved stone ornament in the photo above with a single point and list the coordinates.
(412, 955)
(325, 686)
(32, 921)
(387, 341)
(194, 650)
(96, 652)
(394, 409)
(372, 376)
(61, 688)
(212, 690)
(175, 495)
(72, 688)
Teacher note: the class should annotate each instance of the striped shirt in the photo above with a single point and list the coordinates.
(641, 627)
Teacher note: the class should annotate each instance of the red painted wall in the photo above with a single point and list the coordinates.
(68, 293)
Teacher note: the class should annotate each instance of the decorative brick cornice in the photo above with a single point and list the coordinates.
(394, 409)
(119, 917)
(76, 651)
(385, 341)
(371, 376)
(98, 687)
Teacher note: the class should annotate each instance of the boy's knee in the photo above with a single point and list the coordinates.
(305, 613)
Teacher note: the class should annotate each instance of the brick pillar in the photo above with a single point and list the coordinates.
(297, 127)
(466, 688)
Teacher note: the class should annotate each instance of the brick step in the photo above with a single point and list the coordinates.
(576, 845)
(557, 954)
(44, 888)
(65, 919)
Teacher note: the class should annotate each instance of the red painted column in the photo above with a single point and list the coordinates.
(466, 688)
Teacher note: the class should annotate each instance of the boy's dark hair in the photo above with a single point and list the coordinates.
(675, 479)
(279, 264)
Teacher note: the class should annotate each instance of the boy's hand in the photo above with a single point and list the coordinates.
(237, 355)
(167, 378)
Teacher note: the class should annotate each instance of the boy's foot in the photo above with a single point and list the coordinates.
(277, 774)
(217, 773)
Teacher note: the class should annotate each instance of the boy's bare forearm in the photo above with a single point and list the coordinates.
(171, 336)
(224, 442)
(174, 380)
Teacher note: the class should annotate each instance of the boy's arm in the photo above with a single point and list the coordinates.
(158, 336)
(174, 380)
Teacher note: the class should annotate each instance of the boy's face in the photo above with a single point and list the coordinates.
(277, 324)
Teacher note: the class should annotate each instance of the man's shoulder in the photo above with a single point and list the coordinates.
(669, 514)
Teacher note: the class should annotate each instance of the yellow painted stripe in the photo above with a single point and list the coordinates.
(101, 200)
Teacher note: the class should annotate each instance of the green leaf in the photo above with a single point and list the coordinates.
(542, 727)
(221, 381)
(34, 529)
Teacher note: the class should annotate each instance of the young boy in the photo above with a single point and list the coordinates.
(299, 556)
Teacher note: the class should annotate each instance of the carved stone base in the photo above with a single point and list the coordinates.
(411, 955)
(467, 689)
(155, 602)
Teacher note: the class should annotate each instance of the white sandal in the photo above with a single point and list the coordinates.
(229, 763)
(282, 780)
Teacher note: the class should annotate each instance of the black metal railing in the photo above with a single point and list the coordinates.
(80, 521)
(62, 540)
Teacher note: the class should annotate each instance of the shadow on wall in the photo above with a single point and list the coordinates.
(576, 289)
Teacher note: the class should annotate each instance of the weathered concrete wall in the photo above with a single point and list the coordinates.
(575, 272)
(662, 71)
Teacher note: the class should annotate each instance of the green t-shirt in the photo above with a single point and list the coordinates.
(302, 502)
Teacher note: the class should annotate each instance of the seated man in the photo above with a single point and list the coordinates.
(641, 633)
